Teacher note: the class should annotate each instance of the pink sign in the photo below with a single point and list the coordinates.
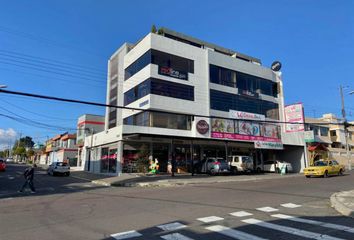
(294, 116)
(235, 136)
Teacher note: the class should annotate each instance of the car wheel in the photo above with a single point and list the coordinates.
(258, 170)
(277, 170)
(307, 176)
(325, 175)
(67, 174)
(234, 170)
(340, 172)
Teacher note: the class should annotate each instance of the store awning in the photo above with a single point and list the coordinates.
(317, 147)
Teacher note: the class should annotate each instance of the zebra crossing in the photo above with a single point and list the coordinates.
(261, 223)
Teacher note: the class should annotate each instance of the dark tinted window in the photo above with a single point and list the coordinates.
(170, 89)
(139, 64)
(161, 120)
(161, 59)
(225, 101)
(244, 82)
(168, 60)
(159, 87)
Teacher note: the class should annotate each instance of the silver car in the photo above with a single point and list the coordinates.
(214, 166)
(59, 168)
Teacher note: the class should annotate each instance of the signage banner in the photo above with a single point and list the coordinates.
(241, 137)
(268, 145)
(167, 71)
(309, 136)
(270, 130)
(246, 115)
(294, 114)
(222, 125)
(248, 128)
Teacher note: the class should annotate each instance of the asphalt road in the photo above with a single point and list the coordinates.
(69, 208)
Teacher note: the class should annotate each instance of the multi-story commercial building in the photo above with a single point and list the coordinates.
(182, 98)
(329, 140)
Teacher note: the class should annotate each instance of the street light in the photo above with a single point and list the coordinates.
(346, 132)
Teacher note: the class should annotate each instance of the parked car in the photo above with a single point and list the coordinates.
(276, 166)
(59, 168)
(324, 168)
(240, 163)
(214, 166)
(2, 165)
(9, 160)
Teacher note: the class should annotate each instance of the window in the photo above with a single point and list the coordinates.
(161, 59)
(113, 66)
(246, 83)
(333, 133)
(160, 120)
(225, 101)
(159, 87)
(324, 131)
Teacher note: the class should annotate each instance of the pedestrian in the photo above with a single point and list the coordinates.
(29, 174)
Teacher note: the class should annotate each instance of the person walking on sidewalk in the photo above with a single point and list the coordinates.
(29, 174)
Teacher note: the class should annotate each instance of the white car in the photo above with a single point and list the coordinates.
(9, 160)
(277, 166)
(59, 168)
(240, 163)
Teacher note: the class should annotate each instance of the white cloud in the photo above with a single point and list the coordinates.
(7, 137)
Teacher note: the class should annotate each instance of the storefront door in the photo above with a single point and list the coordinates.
(160, 152)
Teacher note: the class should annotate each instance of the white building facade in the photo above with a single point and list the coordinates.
(180, 99)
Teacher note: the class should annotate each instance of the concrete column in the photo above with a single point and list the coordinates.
(119, 157)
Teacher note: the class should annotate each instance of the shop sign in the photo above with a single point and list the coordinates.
(202, 127)
(167, 71)
(246, 115)
(309, 136)
(240, 137)
(268, 145)
(294, 115)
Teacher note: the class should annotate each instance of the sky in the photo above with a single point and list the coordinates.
(61, 48)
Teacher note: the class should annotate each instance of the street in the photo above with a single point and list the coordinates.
(70, 208)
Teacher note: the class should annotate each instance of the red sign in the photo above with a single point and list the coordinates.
(167, 71)
(202, 127)
(235, 136)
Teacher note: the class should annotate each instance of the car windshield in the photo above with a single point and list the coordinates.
(62, 164)
(320, 163)
(245, 159)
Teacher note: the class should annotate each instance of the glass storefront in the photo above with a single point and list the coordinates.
(108, 160)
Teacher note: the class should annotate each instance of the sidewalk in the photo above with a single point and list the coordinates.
(343, 202)
(137, 180)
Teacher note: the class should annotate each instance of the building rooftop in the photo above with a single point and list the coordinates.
(202, 44)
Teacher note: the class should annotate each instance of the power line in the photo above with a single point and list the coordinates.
(48, 41)
(135, 109)
(71, 65)
(39, 114)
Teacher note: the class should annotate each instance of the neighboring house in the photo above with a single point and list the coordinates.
(329, 139)
(60, 148)
(87, 125)
(200, 100)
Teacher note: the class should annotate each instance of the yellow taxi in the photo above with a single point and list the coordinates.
(324, 168)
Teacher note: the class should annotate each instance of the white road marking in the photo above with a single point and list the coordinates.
(241, 214)
(210, 219)
(233, 233)
(290, 230)
(10, 178)
(267, 209)
(171, 226)
(313, 222)
(290, 205)
(175, 236)
(126, 235)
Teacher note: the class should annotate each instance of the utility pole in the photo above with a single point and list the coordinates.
(346, 132)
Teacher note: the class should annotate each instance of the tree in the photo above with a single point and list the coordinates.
(153, 28)
(160, 31)
(25, 142)
(30, 153)
(143, 159)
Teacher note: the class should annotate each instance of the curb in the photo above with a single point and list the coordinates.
(168, 183)
(340, 207)
(102, 183)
